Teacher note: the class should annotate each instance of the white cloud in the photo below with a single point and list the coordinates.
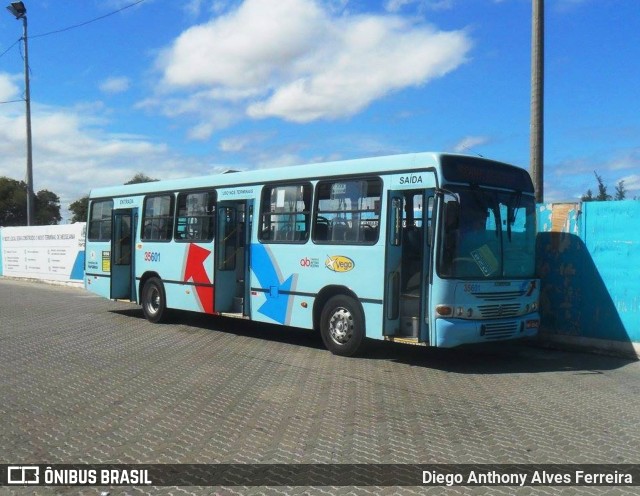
(8, 88)
(632, 185)
(300, 61)
(571, 178)
(235, 144)
(115, 85)
(240, 143)
(72, 153)
(626, 159)
(193, 7)
(466, 144)
(245, 47)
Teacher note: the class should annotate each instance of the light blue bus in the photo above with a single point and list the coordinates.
(428, 249)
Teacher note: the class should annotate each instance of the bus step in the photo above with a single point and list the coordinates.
(409, 327)
(233, 315)
(403, 340)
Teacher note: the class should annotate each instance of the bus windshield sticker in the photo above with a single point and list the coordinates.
(106, 261)
(486, 260)
(338, 189)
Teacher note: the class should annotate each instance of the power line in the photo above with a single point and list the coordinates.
(69, 28)
(7, 50)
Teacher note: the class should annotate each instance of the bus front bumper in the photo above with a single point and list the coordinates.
(455, 332)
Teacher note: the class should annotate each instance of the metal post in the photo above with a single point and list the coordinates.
(19, 11)
(27, 96)
(537, 99)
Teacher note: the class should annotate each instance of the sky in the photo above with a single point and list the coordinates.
(179, 89)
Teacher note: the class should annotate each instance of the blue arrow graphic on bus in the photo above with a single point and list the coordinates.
(270, 280)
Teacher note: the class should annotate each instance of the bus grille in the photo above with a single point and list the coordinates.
(496, 311)
(504, 296)
(499, 331)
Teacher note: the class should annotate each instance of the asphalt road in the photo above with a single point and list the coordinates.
(87, 380)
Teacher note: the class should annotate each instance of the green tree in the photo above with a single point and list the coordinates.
(140, 177)
(621, 192)
(80, 209)
(13, 204)
(47, 208)
(602, 189)
(588, 196)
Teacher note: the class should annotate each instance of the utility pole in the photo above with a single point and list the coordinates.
(20, 12)
(536, 168)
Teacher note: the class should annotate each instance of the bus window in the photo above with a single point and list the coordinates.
(196, 216)
(229, 225)
(488, 234)
(347, 212)
(395, 233)
(100, 220)
(157, 218)
(122, 244)
(285, 213)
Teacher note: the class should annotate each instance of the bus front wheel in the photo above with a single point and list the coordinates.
(342, 326)
(154, 302)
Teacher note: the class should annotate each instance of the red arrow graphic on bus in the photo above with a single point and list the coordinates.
(195, 271)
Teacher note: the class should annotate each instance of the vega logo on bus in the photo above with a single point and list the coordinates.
(339, 263)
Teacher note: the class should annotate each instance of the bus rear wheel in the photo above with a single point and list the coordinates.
(154, 301)
(342, 326)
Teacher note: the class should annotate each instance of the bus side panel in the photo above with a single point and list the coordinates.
(186, 270)
(374, 316)
(274, 287)
(285, 280)
(97, 268)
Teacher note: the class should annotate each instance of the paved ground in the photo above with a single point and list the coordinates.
(88, 380)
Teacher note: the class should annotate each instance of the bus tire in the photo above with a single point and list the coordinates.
(342, 326)
(154, 301)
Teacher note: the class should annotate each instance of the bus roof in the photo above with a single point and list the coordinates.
(390, 163)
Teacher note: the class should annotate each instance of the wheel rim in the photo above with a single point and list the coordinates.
(153, 300)
(341, 326)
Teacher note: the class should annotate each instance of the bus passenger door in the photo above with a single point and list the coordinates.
(122, 260)
(232, 256)
(404, 265)
(393, 265)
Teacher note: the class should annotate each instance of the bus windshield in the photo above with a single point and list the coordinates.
(487, 234)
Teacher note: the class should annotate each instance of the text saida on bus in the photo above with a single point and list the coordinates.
(429, 249)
